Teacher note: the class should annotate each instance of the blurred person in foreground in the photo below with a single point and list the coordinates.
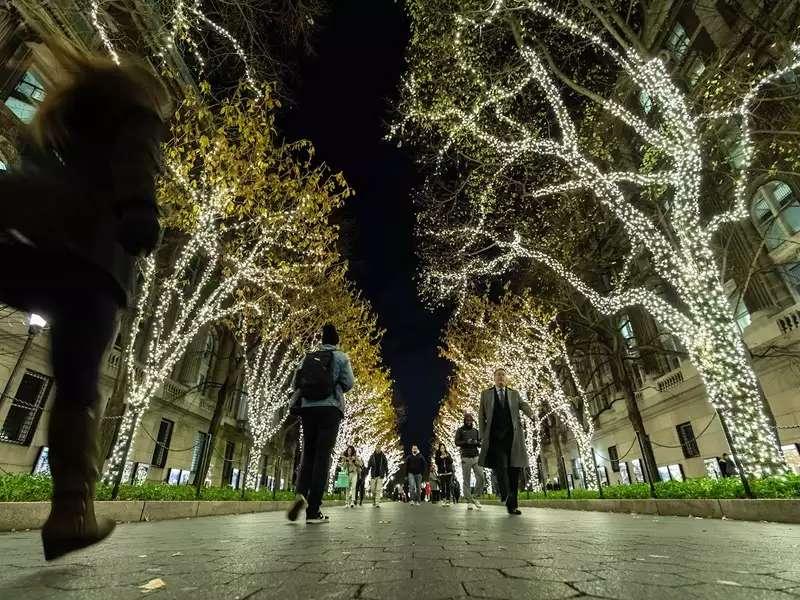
(76, 214)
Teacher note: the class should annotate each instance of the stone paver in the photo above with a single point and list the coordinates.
(424, 553)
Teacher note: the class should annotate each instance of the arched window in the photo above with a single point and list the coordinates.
(776, 212)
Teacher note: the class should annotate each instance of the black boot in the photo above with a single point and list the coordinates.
(72, 524)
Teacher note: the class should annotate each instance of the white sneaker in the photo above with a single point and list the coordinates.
(477, 504)
(469, 506)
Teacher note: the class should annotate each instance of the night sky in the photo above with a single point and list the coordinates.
(343, 104)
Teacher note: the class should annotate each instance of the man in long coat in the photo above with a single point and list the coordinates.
(503, 448)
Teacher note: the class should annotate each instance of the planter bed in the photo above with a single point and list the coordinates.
(778, 510)
(16, 516)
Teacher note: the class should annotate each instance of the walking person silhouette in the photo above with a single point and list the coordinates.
(503, 442)
(76, 213)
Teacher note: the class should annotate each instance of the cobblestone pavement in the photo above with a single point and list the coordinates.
(419, 553)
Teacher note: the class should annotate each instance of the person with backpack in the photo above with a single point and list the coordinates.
(468, 439)
(378, 469)
(320, 383)
(415, 467)
(351, 463)
(77, 213)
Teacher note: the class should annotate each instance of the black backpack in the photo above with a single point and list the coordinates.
(315, 377)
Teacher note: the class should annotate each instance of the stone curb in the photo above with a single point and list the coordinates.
(777, 510)
(18, 516)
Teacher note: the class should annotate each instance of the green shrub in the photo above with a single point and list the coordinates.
(21, 487)
(787, 486)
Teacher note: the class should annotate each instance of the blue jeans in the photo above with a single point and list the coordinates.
(414, 484)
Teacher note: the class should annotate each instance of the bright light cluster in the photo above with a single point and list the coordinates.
(188, 18)
(196, 290)
(187, 300)
(680, 246)
(532, 351)
(362, 428)
(268, 373)
(184, 22)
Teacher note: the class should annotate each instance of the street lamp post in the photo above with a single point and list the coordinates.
(35, 325)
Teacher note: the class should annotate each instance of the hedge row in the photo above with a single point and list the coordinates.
(787, 486)
(38, 488)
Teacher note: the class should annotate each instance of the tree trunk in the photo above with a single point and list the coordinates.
(213, 428)
(623, 378)
(737, 395)
(555, 436)
(115, 408)
(276, 474)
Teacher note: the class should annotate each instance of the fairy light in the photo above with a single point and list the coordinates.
(185, 302)
(360, 426)
(94, 15)
(188, 17)
(530, 350)
(702, 320)
(267, 384)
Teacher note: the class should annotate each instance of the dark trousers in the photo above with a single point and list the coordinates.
(360, 491)
(320, 429)
(499, 459)
(446, 483)
(508, 482)
(82, 329)
(80, 305)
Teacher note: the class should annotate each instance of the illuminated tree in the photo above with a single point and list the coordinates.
(250, 222)
(516, 335)
(268, 375)
(226, 41)
(493, 90)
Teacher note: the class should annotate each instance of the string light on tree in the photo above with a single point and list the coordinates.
(529, 347)
(268, 376)
(488, 112)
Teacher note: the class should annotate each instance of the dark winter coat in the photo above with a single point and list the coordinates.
(468, 439)
(515, 404)
(415, 464)
(444, 465)
(378, 465)
(79, 215)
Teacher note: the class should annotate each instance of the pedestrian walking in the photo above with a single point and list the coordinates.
(360, 488)
(353, 465)
(438, 453)
(503, 447)
(428, 491)
(378, 468)
(415, 467)
(76, 214)
(468, 440)
(444, 468)
(320, 384)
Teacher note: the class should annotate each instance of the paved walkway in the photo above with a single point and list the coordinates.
(420, 553)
